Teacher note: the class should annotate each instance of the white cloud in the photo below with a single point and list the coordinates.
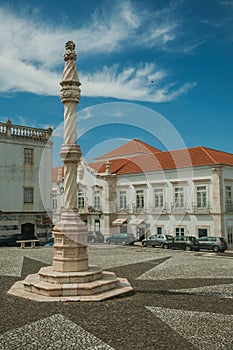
(129, 15)
(31, 52)
(86, 113)
(227, 2)
(133, 83)
(16, 75)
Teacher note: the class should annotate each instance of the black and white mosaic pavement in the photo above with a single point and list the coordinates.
(181, 300)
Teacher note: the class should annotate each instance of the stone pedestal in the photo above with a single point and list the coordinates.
(92, 284)
(71, 278)
(70, 243)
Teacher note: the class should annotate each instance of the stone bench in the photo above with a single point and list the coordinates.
(23, 241)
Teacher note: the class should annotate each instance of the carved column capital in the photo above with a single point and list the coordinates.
(70, 153)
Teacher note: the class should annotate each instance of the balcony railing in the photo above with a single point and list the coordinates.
(229, 206)
(160, 209)
(95, 209)
(131, 208)
(122, 209)
(179, 208)
(89, 210)
(13, 130)
(148, 208)
(201, 208)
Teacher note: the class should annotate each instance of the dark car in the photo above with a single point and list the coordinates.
(217, 244)
(156, 240)
(182, 242)
(95, 236)
(121, 238)
(50, 242)
(9, 240)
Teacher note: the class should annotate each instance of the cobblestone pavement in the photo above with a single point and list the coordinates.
(181, 300)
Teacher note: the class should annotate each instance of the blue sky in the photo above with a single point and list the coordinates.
(139, 62)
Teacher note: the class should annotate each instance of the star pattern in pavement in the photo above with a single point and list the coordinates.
(159, 314)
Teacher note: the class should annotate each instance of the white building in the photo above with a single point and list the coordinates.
(137, 188)
(25, 169)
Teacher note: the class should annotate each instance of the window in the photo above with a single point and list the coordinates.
(28, 156)
(228, 194)
(28, 195)
(97, 200)
(230, 235)
(97, 225)
(54, 203)
(158, 198)
(140, 199)
(179, 231)
(179, 197)
(123, 201)
(159, 230)
(81, 200)
(201, 197)
(229, 201)
(202, 232)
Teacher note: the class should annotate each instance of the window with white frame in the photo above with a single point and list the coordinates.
(140, 199)
(158, 196)
(159, 230)
(81, 199)
(180, 231)
(97, 200)
(123, 200)
(201, 196)
(202, 231)
(179, 197)
(28, 195)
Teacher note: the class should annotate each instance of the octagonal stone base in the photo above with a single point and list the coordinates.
(90, 285)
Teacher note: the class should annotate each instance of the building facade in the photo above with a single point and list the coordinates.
(137, 188)
(25, 180)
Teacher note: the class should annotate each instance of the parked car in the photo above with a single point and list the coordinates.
(156, 240)
(121, 238)
(217, 244)
(95, 236)
(182, 242)
(50, 242)
(9, 240)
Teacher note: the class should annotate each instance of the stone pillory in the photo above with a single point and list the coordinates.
(70, 278)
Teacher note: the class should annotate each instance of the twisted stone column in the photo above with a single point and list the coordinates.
(70, 234)
(70, 152)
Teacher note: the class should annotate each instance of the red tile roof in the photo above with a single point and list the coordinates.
(190, 157)
(141, 157)
(55, 173)
(131, 148)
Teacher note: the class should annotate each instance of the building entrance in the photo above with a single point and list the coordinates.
(28, 231)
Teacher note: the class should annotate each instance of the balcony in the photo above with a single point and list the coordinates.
(178, 208)
(148, 208)
(201, 209)
(160, 209)
(123, 209)
(83, 210)
(131, 208)
(89, 210)
(138, 209)
(229, 207)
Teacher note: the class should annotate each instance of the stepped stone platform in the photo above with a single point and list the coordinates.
(89, 285)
